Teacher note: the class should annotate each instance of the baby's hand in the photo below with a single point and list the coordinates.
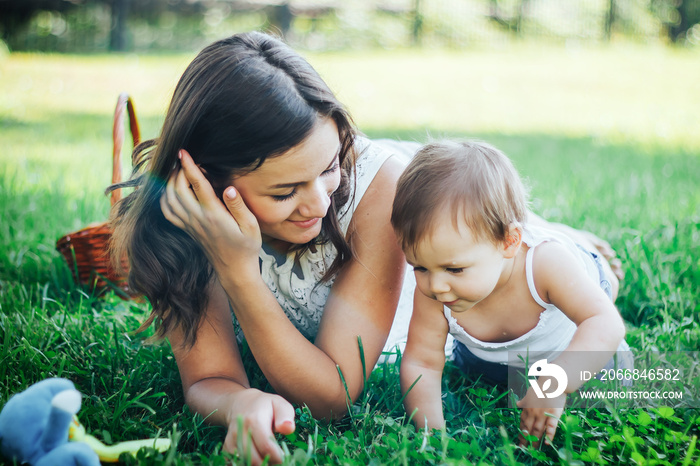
(539, 417)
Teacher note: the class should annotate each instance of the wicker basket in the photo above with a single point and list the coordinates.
(86, 250)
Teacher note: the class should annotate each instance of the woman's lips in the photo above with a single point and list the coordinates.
(306, 223)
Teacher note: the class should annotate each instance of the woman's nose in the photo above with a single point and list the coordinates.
(316, 202)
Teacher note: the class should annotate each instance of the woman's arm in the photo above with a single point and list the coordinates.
(600, 329)
(216, 386)
(423, 361)
(361, 304)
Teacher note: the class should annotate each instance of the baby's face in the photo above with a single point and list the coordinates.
(455, 267)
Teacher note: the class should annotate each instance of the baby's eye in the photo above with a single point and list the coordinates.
(418, 268)
(455, 269)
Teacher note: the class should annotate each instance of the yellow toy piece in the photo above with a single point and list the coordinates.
(110, 453)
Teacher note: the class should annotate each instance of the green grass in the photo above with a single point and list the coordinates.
(607, 139)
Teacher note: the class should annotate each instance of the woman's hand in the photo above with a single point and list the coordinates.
(225, 232)
(261, 415)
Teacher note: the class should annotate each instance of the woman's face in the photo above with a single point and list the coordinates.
(289, 194)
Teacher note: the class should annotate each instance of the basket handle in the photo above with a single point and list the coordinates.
(124, 102)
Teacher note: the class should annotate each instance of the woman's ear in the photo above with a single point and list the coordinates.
(514, 239)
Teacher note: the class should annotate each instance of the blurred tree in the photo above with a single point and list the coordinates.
(609, 19)
(149, 10)
(678, 16)
(280, 17)
(117, 36)
(513, 21)
(16, 14)
(417, 29)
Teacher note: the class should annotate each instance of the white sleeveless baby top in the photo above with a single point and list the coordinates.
(553, 331)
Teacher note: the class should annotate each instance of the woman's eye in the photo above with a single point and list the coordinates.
(455, 270)
(284, 197)
(332, 169)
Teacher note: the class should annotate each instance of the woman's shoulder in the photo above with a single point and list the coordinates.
(387, 157)
(378, 150)
(374, 208)
(375, 166)
(382, 188)
(369, 159)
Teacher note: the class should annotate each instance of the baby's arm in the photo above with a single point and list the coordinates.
(600, 329)
(560, 280)
(424, 357)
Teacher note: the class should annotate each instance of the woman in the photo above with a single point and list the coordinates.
(260, 199)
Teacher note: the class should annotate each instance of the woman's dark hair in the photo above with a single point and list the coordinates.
(241, 100)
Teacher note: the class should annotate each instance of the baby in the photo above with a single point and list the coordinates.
(498, 284)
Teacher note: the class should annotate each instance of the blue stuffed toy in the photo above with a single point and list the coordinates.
(34, 426)
(38, 426)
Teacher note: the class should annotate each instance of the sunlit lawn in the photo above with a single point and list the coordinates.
(608, 139)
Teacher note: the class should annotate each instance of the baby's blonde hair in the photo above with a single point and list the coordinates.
(472, 179)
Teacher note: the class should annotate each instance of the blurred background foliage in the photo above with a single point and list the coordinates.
(79, 26)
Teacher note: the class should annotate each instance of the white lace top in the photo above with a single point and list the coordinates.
(553, 331)
(298, 287)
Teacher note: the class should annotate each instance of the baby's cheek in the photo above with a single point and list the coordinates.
(423, 287)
